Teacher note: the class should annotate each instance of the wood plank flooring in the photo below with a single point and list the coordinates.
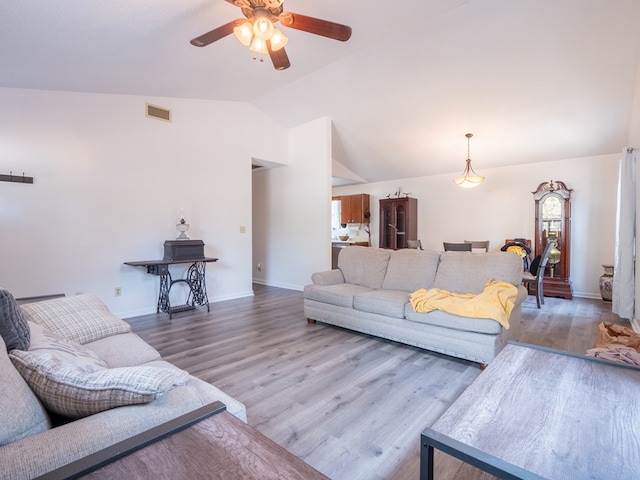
(350, 405)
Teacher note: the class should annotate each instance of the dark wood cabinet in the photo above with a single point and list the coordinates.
(354, 208)
(553, 222)
(398, 222)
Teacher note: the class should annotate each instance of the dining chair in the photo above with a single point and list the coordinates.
(536, 272)
(414, 244)
(480, 244)
(456, 247)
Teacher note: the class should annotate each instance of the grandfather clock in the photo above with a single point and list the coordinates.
(553, 222)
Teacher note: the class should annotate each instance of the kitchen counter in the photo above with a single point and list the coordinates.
(346, 243)
(336, 246)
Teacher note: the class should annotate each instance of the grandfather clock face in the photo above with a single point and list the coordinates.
(551, 217)
(551, 222)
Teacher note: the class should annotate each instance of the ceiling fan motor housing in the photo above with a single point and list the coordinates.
(253, 8)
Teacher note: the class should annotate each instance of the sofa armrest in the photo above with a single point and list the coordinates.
(328, 277)
(43, 452)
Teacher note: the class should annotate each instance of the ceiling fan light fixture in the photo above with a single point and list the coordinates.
(244, 33)
(258, 46)
(469, 178)
(263, 28)
(278, 40)
(258, 32)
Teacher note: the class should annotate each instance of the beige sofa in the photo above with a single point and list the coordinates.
(369, 293)
(35, 438)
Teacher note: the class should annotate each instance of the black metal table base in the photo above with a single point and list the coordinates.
(195, 280)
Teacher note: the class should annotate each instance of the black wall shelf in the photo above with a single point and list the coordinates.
(15, 178)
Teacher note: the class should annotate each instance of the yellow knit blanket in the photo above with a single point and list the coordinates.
(495, 302)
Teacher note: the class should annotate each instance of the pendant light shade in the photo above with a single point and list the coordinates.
(469, 177)
(244, 33)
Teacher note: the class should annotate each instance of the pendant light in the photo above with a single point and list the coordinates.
(469, 177)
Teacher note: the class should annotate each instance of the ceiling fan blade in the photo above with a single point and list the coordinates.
(279, 58)
(316, 26)
(214, 35)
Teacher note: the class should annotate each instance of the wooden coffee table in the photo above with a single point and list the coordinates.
(537, 413)
(208, 443)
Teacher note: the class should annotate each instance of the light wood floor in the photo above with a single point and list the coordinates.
(350, 405)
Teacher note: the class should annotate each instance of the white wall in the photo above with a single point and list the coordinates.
(292, 210)
(502, 207)
(109, 185)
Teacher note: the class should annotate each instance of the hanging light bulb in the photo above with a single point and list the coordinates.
(244, 33)
(469, 177)
(278, 40)
(262, 26)
(258, 46)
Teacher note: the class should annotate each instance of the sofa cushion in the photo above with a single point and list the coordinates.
(75, 392)
(454, 322)
(340, 295)
(63, 349)
(364, 266)
(466, 272)
(22, 413)
(13, 326)
(390, 303)
(123, 350)
(410, 270)
(81, 318)
(207, 392)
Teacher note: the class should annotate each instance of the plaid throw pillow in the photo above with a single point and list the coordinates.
(81, 318)
(66, 351)
(71, 391)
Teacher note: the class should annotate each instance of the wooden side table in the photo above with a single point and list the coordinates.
(538, 413)
(207, 443)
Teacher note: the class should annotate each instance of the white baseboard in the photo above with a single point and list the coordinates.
(287, 286)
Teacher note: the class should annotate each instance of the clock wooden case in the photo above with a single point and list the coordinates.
(553, 222)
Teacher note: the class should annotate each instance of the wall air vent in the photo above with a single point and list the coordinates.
(160, 113)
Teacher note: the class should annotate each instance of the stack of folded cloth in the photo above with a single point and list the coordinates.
(616, 343)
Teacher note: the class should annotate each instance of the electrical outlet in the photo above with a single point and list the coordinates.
(243, 229)
(117, 291)
(259, 267)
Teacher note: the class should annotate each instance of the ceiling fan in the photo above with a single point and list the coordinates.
(258, 32)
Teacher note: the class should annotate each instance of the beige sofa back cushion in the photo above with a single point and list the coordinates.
(466, 272)
(410, 270)
(364, 266)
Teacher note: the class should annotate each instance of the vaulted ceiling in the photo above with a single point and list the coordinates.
(533, 80)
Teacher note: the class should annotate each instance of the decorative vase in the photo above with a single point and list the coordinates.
(606, 283)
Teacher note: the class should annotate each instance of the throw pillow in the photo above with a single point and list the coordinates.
(66, 351)
(13, 326)
(81, 318)
(70, 391)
